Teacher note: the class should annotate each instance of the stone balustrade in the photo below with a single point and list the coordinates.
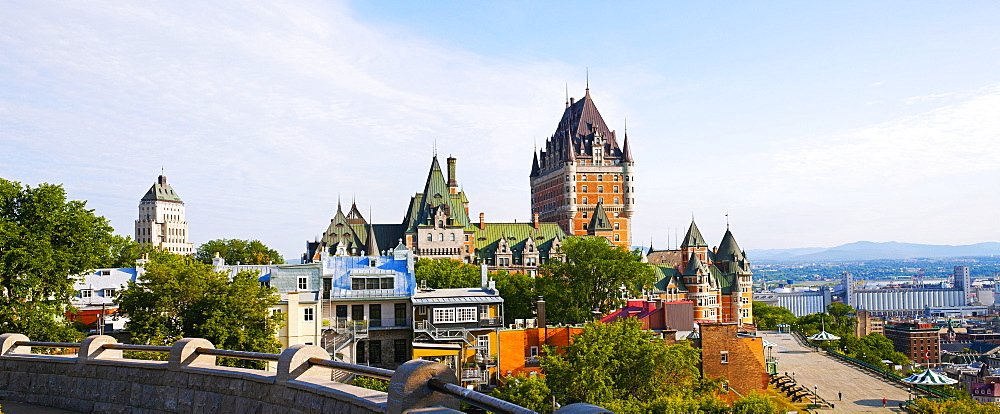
(99, 379)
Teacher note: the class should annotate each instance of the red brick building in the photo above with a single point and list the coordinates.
(919, 341)
(738, 359)
(582, 179)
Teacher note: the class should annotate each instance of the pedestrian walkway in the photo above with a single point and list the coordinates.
(862, 391)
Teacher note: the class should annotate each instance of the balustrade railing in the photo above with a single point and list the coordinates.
(416, 383)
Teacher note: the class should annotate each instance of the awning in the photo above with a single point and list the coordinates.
(824, 336)
(929, 377)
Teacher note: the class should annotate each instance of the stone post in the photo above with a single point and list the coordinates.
(293, 364)
(92, 348)
(184, 354)
(408, 387)
(7, 347)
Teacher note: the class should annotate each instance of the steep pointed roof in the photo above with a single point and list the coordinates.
(161, 191)
(694, 265)
(534, 165)
(600, 221)
(728, 251)
(575, 136)
(372, 243)
(626, 152)
(436, 197)
(354, 216)
(693, 238)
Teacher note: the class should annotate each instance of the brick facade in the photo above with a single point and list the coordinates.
(740, 360)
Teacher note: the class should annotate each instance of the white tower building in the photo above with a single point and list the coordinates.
(963, 281)
(162, 221)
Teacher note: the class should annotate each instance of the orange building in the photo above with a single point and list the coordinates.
(519, 348)
(718, 280)
(582, 179)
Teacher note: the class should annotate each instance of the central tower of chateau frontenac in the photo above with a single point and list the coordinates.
(582, 180)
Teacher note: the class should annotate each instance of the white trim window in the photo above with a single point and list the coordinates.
(86, 293)
(308, 314)
(483, 342)
(444, 315)
(303, 283)
(466, 315)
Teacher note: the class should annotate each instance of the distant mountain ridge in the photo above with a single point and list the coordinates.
(866, 250)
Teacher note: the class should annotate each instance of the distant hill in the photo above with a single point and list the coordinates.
(866, 250)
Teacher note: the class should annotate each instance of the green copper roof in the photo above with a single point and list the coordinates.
(161, 191)
(517, 234)
(437, 197)
(693, 238)
(729, 251)
(600, 221)
(665, 275)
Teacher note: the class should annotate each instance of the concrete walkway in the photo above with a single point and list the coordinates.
(863, 392)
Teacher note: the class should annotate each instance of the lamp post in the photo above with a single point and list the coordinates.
(908, 398)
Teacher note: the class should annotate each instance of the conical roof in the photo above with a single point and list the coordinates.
(600, 221)
(693, 238)
(372, 246)
(626, 152)
(534, 165)
(929, 377)
(161, 191)
(694, 265)
(729, 250)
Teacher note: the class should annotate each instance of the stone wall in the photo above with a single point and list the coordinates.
(99, 380)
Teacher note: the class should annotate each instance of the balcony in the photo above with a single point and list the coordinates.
(490, 322)
(531, 361)
(487, 360)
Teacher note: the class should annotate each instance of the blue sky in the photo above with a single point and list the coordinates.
(809, 124)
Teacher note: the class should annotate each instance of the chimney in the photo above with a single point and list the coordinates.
(482, 221)
(534, 220)
(571, 100)
(484, 277)
(540, 318)
(162, 180)
(452, 182)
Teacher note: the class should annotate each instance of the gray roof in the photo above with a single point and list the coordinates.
(456, 296)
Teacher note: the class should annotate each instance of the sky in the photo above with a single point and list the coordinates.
(809, 125)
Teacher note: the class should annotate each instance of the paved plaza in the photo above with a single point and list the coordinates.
(863, 392)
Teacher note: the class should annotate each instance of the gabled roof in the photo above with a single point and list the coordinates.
(436, 197)
(599, 221)
(667, 275)
(693, 238)
(161, 191)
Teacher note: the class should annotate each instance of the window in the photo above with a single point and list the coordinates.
(584, 214)
(585, 200)
(452, 236)
(307, 314)
(86, 293)
(421, 310)
(616, 188)
(618, 237)
(583, 177)
(430, 237)
(600, 177)
(616, 177)
(440, 236)
(374, 352)
(399, 350)
(600, 189)
(357, 312)
(583, 189)
(375, 315)
(303, 283)
(444, 315)
(483, 342)
(440, 223)
(618, 226)
(724, 357)
(533, 351)
(466, 315)
(109, 292)
(341, 311)
(369, 283)
(400, 310)
(617, 200)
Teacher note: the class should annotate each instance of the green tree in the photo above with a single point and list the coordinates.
(447, 273)
(620, 364)
(371, 383)
(755, 403)
(518, 293)
(769, 317)
(248, 252)
(962, 405)
(530, 393)
(595, 276)
(179, 297)
(124, 252)
(45, 240)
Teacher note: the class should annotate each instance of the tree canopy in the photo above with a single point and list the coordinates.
(518, 293)
(769, 317)
(45, 240)
(180, 297)
(447, 273)
(961, 405)
(594, 276)
(248, 252)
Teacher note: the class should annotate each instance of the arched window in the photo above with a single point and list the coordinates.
(430, 237)
(440, 236)
(452, 236)
(440, 223)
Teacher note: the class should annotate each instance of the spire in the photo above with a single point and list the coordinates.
(588, 81)
(693, 238)
(626, 151)
(534, 165)
(372, 246)
(570, 150)
(567, 94)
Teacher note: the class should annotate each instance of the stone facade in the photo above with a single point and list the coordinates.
(162, 220)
